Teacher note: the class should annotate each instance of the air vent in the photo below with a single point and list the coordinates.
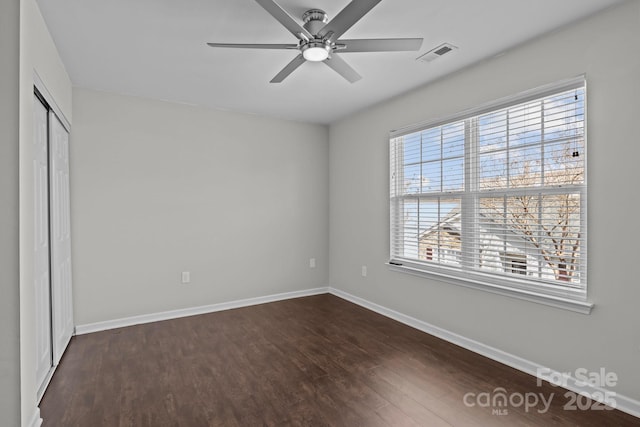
(443, 50)
(437, 52)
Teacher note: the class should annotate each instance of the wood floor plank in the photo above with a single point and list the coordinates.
(314, 361)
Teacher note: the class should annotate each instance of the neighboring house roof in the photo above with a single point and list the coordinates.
(451, 227)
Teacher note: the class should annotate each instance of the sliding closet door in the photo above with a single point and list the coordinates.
(41, 244)
(60, 237)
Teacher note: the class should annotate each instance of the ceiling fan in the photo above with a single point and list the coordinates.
(319, 39)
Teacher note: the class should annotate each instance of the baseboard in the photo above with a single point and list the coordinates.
(623, 403)
(36, 421)
(174, 314)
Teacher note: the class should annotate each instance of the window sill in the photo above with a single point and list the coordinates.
(583, 307)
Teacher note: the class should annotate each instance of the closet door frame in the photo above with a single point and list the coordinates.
(60, 299)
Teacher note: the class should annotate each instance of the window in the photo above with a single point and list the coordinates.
(515, 263)
(497, 196)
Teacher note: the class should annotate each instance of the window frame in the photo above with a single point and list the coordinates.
(570, 297)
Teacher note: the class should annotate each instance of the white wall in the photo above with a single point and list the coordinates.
(37, 53)
(158, 188)
(605, 47)
(9, 214)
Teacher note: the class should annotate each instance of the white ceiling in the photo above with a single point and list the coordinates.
(156, 49)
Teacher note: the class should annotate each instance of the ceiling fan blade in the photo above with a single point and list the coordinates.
(255, 46)
(341, 67)
(285, 19)
(288, 69)
(379, 45)
(346, 18)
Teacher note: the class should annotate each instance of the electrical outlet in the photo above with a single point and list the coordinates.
(312, 263)
(364, 271)
(186, 277)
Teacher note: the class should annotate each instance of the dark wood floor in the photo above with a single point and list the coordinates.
(315, 361)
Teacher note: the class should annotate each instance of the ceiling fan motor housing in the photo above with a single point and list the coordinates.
(315, 49)
(314, 20)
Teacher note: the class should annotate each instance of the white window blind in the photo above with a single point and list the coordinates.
(497, 195)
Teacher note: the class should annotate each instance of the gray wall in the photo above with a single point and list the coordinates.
(9, 213)
(158, 188)
(38, 54)
(605, 47)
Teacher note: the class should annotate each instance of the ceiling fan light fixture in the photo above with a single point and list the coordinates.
(315, 51)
